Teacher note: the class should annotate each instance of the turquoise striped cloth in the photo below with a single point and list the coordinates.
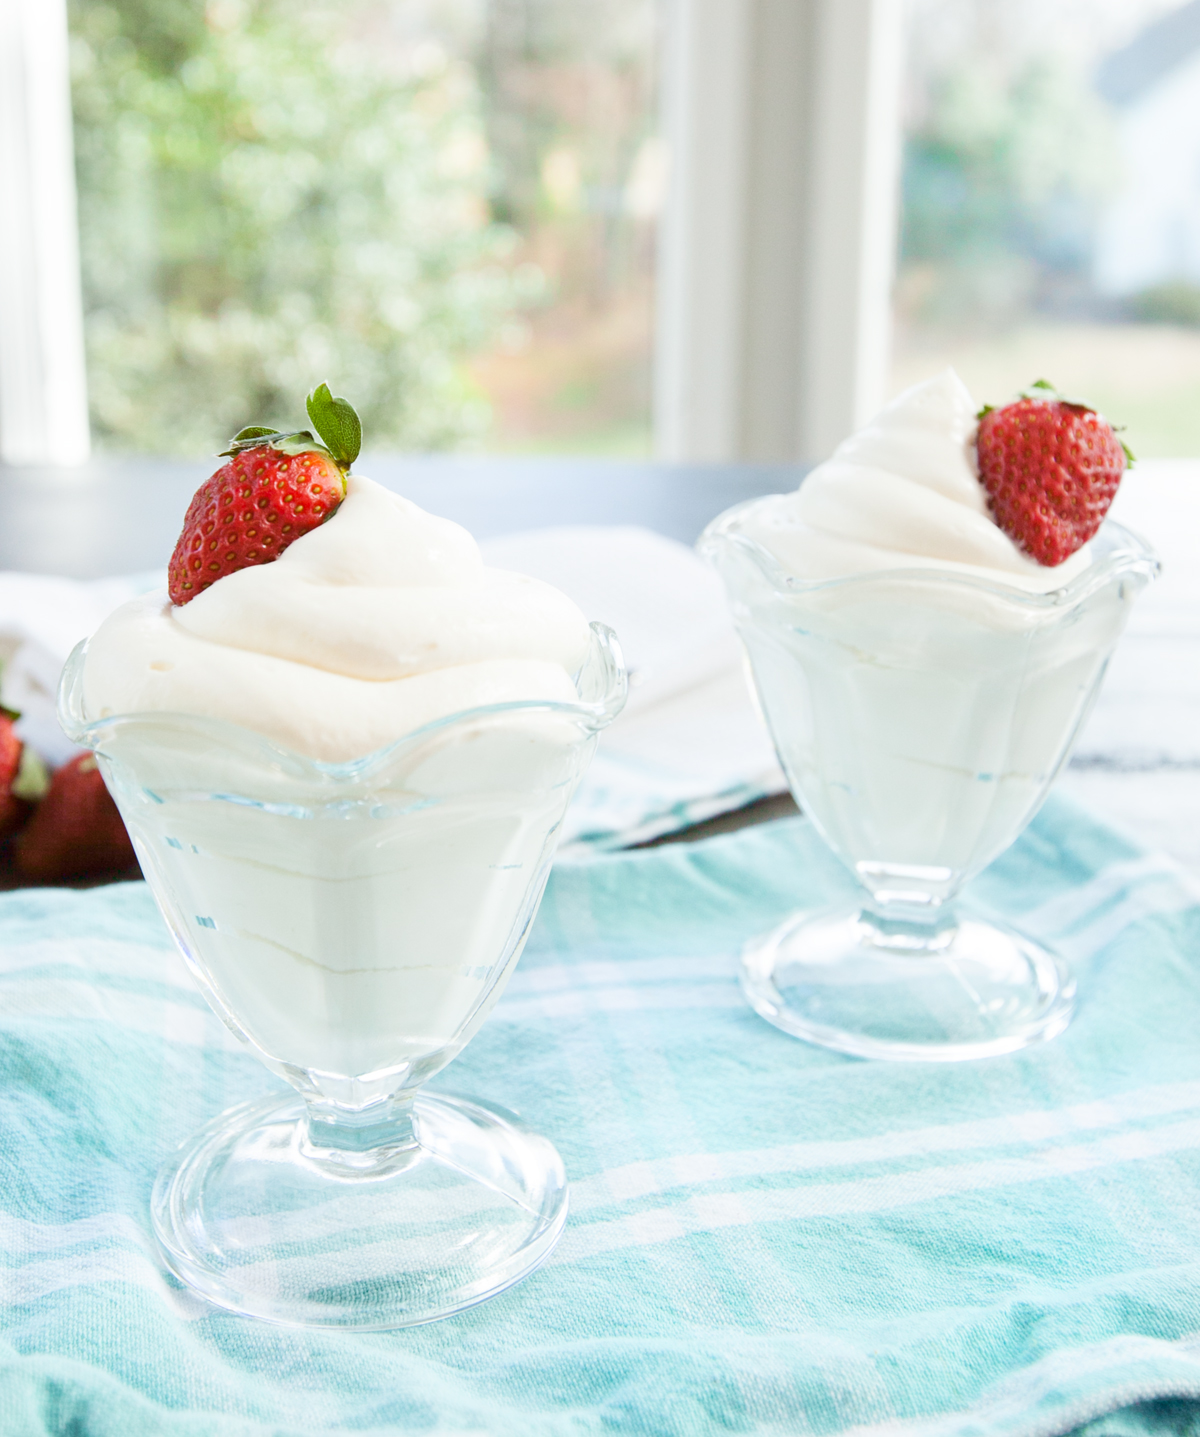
(764, 1237)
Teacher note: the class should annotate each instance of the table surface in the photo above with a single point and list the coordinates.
(122, 516)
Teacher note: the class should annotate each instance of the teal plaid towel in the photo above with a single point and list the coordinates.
(764, 1237)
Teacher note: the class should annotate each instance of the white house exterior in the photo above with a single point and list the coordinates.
(1150, 233)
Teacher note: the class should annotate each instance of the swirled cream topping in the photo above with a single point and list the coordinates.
(383, 619)
(902, 493)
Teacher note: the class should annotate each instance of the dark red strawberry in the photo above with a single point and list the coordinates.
(1051, 467)
(76, 830)
(275, 488)
(23, 777)
(13, 810)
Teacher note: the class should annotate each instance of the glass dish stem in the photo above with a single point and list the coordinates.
(364, 1144)
(921, 716)
(354, 923)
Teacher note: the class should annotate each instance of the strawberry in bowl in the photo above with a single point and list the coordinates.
(275, 488)
(1051, 467)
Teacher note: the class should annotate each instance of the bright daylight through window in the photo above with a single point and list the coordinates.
(1051, 205)
(448, 205)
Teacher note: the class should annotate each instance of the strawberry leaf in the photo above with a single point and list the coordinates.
(338, 425)
(1043, 389)
(297, 442)
(32, 779)
(246, 439)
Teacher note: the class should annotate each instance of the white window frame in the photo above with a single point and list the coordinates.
(778, 243)
(43, 378)
(776, 249)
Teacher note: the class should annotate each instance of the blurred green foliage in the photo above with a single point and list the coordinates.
(1003, 172)
(1177, 302)
(267, 200)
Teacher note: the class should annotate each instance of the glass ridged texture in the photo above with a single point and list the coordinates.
(355, 924)
(921, 717)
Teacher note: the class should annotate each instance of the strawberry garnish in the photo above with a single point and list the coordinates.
(1051, 467)
(23, 776)
(13, 810)
(275, 488)
(76, 830)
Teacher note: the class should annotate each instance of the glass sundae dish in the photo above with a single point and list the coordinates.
(923, 681)
(352, 918)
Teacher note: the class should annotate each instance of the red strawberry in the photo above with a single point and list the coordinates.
(251, 509)
(76, 831)
(275, 488)
(13, 810)
(1051, 467)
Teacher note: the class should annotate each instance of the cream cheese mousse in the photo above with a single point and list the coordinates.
(343, 748)
(924, 670)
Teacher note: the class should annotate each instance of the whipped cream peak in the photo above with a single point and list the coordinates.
(380, 540)
(379, 621)
(902, 493)
(925, 435)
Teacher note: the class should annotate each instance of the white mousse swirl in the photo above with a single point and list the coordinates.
(901, 493)
(379, 621)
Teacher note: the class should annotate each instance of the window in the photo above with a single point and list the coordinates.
(1051, 206)
(466, 213)
(446, 208)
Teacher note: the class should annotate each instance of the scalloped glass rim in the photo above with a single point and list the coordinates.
(604, 654)
(1117, 551)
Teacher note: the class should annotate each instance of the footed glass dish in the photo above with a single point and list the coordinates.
(920, 717)
(354, 924)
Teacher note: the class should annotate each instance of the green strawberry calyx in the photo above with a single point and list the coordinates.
(1048, 393)
(299, 442)
(337, 423)
(32, 779)
(333, 418)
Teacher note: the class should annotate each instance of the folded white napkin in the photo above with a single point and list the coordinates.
(42, 618)
(1138, 760)
(689, 743)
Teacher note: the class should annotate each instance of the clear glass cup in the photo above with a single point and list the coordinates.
(354, 924)
(920, 717)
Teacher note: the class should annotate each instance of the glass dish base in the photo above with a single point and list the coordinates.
(968, 990)
(261, 1223)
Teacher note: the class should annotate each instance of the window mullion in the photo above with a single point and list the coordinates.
(43, 387)
(777, 245)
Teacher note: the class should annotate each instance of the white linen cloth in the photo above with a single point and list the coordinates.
(1138, 760)
(689, 743)
(42, 618)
